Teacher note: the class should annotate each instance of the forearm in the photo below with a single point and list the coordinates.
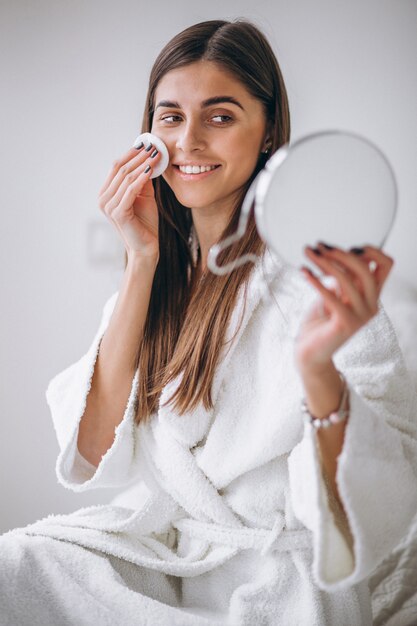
(115, 365)
(323, 393)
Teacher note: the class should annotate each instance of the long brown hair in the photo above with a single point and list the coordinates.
(180, 336)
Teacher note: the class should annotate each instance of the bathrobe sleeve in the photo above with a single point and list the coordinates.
(377, 468)
(66, 396)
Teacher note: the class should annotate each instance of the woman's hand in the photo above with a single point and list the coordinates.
(128, 201)
(340, 313)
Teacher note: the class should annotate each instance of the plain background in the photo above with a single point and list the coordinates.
(73, 82)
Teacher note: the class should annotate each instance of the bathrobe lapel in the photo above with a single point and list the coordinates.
(168, 439)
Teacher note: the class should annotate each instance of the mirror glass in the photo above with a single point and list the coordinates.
(333, 186)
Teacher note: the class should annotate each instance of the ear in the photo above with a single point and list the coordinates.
(268, 137)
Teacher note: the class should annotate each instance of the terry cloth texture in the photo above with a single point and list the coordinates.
(225, 517)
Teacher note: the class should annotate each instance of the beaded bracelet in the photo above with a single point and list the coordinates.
(335, 417)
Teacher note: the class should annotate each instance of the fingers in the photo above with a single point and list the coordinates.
(382, 264)
(125, 172)
(354, 278)
(119, 163)
(330, 300)
(360, 286)
(129, 179)
(361, 259)
(127, 193)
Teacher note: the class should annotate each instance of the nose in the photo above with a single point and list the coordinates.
(190, 137)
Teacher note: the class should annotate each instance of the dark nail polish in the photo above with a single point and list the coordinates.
(316, 251)
(357, 250)
(138, 147)
(154, 153)
(148, 167)
(326, 245)
(149, 148)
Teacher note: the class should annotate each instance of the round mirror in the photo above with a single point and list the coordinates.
(334, 187)
(331, 186)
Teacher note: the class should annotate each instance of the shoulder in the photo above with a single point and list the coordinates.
(285, 291)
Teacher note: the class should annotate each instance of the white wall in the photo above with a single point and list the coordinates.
(73, 82)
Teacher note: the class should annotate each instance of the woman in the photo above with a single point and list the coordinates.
(235, 509)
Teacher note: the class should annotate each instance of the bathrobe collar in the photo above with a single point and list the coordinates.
(167, 439)
(192, 427)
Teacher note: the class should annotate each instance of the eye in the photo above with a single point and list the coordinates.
(168, 118)
(226, 119)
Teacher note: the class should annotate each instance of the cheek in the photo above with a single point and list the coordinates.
(243, 157)
(168, 140)
(160, 132)
(250, 146)
(243, 145)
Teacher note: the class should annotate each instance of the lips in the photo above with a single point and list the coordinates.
(194, 163)
(196, 168)
(198, 176)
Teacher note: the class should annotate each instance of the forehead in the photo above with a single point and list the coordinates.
(198, 81)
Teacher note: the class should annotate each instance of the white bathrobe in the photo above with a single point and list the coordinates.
(225, 517)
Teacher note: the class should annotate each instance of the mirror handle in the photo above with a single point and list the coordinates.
(215, 250)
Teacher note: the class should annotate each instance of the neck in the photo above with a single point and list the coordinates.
(209, 229)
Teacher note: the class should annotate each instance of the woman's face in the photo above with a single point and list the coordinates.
(208, 118)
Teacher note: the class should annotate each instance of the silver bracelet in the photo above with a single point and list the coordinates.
(335, 417)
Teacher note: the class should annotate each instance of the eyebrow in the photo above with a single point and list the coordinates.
(206, 103)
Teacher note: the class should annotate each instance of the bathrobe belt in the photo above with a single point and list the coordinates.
(277, 539)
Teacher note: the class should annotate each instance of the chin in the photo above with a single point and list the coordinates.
(194, 200)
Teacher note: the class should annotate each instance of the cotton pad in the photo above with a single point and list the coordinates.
(162, 164)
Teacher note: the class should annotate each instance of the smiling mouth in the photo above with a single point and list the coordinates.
(195, 170)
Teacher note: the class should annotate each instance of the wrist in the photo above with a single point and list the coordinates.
(323, 389)
(332, 416)
(142, 263)
(317, 371)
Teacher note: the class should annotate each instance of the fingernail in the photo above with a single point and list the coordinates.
(148, 167)
(139, 146)
(357, 250)
(315, 250)
(326, 245)
(307, 270)
(154, 153)
(149, 148)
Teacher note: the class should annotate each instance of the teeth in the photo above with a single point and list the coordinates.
(196, 169)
